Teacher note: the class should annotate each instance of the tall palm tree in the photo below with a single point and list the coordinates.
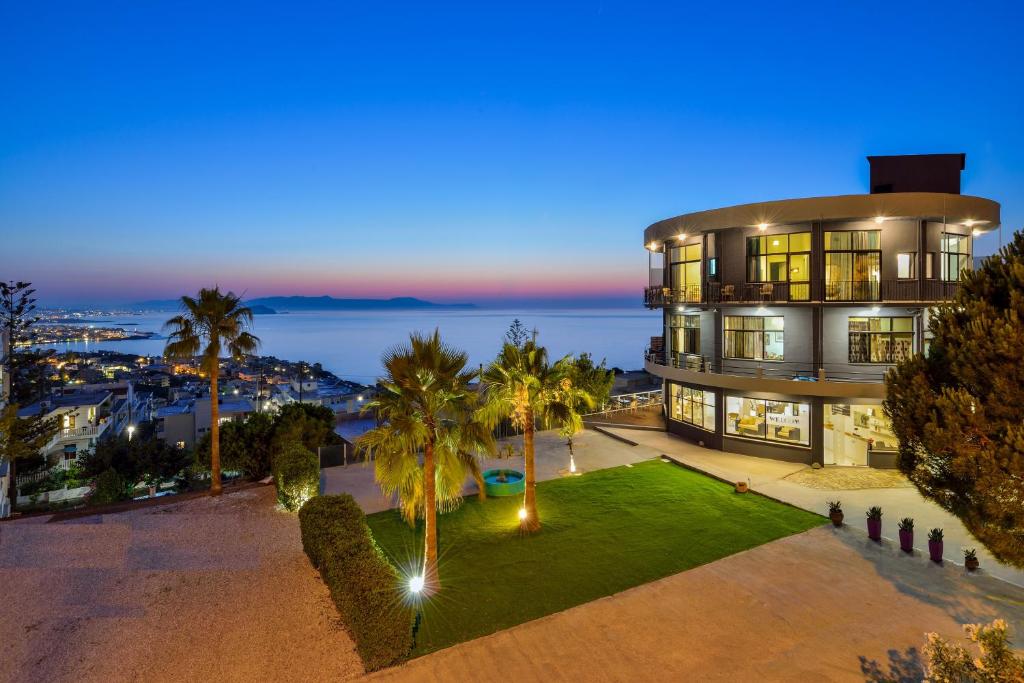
(426, 407)
(523, 386)
(208, 326)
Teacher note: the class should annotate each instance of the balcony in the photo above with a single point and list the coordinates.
(868, 291)
(790, 377)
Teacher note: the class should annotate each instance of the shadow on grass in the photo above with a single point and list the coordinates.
(902, 667)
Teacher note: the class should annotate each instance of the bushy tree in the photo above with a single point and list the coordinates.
(245, 447)
(958, 411)
(953, 663)
(21, 439)
(312, 425)
(143, 458)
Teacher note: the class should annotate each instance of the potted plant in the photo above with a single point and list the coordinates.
(741, 487)
(835, 512)
(907, 534)
(875, 523)
(971, 559)
(935, 545)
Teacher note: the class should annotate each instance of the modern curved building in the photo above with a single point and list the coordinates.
(782, 317)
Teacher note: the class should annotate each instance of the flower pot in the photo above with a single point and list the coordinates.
(971, 563)
(741, 487)
(935, 550)
(875, 529)
(836, 517)
(906, 541)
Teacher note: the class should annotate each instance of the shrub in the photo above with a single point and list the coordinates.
(874, 512)
(110, 488)
(907, 524)
(365, 587)
(297, 475)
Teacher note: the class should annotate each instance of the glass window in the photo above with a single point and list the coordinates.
(781, 258)
(853, 265)
(881, 340)
(780, 421)
(753, 337)
(852, 432)
(693, 406)
(685, 272)
(955, 257)
(685, 334)
(905, 265)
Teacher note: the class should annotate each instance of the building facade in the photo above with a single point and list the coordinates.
(781, 318)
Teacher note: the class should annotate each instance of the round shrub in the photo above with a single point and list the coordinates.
(110, 488)
(297, 475)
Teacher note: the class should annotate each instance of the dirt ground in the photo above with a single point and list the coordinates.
(208, 589)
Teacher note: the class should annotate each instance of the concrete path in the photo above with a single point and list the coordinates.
(825, 605)
(767, 477)
(593, 451)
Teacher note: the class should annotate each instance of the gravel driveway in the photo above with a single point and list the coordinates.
(207, 589)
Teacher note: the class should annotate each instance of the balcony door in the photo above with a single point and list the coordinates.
(853, 265)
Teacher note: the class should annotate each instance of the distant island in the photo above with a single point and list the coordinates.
(273, 304)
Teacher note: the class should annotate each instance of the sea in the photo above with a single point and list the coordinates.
(350, 343)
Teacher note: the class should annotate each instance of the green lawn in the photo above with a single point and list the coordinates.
(603, 532)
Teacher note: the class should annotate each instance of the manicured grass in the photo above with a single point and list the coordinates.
(602, 533)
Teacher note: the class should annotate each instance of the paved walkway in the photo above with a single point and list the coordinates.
(768, 477)
(825, 605)
(593, 451)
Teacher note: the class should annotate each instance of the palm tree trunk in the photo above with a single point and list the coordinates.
(481, 487)
(215, 485)
(531, 522)
(431, 580)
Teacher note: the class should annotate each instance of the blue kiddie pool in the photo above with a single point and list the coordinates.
(503, 482)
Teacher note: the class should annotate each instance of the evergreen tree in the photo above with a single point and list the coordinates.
(959, 411)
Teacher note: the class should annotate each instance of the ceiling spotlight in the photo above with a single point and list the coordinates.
(653, 246)
(975, 232)
(969, 222)
(879, 219)
(762, 226)
(681, 236)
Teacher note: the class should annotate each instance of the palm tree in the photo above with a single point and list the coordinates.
(209, 325)
(522, 386)
(426, 406)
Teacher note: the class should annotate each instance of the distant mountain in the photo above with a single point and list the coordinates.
(272, 304)
(329, 303)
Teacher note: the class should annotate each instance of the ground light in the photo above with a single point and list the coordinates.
(522, 513)
(415, 584)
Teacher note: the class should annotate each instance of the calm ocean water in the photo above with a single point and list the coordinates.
(350, 344)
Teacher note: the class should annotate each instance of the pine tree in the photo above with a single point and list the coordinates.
(959, 411)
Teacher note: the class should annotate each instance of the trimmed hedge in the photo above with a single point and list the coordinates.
(297, 475)
(365, 587)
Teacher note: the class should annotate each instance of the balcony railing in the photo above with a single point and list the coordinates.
(789, 370)
(812, 292)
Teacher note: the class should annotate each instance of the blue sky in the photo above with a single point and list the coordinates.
(461, 152)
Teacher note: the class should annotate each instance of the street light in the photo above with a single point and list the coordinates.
(131, 430)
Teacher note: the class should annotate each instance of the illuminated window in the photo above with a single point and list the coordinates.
(755, 418)
(685, 271)
(753, 337)
(881, 340)
(906, 266)
(853, 265)
(693, 406)
(781, 258)
(955, 257)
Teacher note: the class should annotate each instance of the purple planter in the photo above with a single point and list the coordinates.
(906, 541)
(875, 529)
(935, 550)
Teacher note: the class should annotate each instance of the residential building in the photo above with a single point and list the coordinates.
(185, 422)
(84, 417)
(345, 398)
(780, 318)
